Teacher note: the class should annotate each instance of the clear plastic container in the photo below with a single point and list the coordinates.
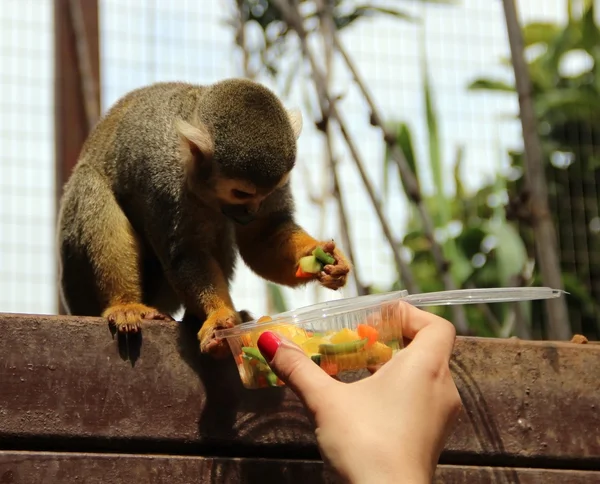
(348, 337)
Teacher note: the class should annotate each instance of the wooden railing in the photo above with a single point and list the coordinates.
(78, 404)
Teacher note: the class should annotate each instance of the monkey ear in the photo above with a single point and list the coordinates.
(197, 145)
(295, 117)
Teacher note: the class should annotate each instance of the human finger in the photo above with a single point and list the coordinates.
(294, 368)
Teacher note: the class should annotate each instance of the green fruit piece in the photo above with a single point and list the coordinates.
(316, 358)
(310, 264)
(340, 348)
(271, 379)
(394, 344)
(253, 353)
(323, 256)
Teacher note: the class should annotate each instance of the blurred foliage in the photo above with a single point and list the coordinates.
(483, 249)
(273, 45)
(486, 245)
(567, 106)
(275, 299)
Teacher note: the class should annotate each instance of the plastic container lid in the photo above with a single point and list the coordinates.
(328, 309)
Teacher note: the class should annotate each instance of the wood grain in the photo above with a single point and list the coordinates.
(67, 384)
(57, 468)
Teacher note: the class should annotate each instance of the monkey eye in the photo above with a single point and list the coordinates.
(241, 194)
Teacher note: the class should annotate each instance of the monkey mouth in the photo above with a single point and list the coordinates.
(237, 216)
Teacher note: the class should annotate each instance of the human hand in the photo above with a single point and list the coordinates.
(392, 426)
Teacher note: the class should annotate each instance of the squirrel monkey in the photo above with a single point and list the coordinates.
(174, 181)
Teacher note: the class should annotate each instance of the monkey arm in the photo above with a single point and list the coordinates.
(272, 245)
(198, 279)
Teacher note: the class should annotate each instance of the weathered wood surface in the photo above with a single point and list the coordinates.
(64, 386)
(49, 467)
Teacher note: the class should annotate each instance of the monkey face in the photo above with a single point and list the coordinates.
(240, 200)
(240, 213)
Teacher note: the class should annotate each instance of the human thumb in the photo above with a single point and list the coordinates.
(294, 368)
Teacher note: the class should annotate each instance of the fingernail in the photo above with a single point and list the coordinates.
(268, 343)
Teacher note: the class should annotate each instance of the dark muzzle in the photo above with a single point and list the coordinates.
(238, 213)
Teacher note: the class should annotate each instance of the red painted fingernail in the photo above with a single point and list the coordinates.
(267, 344)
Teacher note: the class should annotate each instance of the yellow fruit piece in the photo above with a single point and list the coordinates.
(288, 331)
(311, 345)
(347, 361)
(379, 353)
(344, 336)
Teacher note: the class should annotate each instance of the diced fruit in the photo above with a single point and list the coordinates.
(329, 367)
(323, 256)
(347, 361)
(310, 264)
(264, 319)
(272, 379)
(254, 353)
(369, 332)
(345, 335)
(333, 351)
(340, 348)
(311, 345)
(378, 353)
(300, 274)
(291, 332)
(394, 344)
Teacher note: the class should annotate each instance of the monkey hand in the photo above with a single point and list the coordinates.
(220, 319)
(333, 276)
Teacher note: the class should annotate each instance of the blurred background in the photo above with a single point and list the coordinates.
(440, 78)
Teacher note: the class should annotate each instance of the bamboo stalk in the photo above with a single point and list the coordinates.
(327, 32)
(535, 178)
(327, 104)
(410, 182)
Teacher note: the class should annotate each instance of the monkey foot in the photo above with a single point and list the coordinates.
(220, 319)
(128, 317)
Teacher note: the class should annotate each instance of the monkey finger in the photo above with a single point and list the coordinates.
(329, 247)
(335, 270)
(155, 315)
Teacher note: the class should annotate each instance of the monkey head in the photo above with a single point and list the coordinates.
(239, 146)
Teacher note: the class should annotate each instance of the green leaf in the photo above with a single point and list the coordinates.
(510, 250)
(578, 291)
(435, 157)
(469, 241)
(581, 104)
(539, 32)
(491, 85)
(403, 136)
(275, 298)
(590, 35)
(458, 160)
(343, 21)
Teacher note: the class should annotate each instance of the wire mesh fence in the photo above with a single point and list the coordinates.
(148, 41)
(27, 265)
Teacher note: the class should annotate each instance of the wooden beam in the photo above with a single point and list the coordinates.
(70, 115)
(66, 384)
(58, 468)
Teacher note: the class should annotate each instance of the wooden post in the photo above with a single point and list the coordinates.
(76, 83)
